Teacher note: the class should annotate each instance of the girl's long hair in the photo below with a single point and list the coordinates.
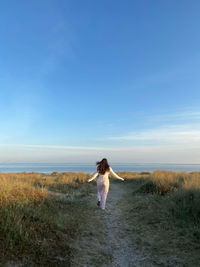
(102, 166)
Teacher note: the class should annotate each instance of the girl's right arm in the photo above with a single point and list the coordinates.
(93, 177)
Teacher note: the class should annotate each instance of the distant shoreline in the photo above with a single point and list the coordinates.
(90, 167)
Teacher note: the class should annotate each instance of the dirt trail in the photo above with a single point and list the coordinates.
(117, 239)
(105, 241)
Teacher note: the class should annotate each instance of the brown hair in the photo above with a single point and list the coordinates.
(102, 166)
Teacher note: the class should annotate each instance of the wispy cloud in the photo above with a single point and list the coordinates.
(140, 154)
(171, 142)
(187, 116)
(55, 147)
(174, 129)
(185, 134)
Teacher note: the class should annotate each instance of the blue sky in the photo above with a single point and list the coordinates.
(80, 80)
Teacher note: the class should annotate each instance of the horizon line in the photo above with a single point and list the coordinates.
(171, 163)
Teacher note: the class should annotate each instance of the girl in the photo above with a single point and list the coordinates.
(103, 170)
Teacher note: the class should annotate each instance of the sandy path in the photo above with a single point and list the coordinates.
(105, 241)
(117, 238)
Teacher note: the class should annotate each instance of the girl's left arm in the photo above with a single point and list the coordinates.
(115, 175)
(93, 177)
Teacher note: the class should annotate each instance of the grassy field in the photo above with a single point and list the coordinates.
(41, 214)
(163, 212)
(179, 194)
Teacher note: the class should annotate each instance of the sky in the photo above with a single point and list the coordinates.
(82, 80)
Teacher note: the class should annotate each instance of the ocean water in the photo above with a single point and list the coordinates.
(90, 167)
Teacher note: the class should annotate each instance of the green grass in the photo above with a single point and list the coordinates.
(180, 194)
(41, 214)
(163, 212)
(36, 225)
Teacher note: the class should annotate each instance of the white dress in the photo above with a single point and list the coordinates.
(103, 185)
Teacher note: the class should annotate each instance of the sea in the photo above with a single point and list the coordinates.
(90, 167)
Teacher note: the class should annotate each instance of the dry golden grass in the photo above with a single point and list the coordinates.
(172, 180)
(35, 225)
(16, 188)
(133, 175)
(178, 194)
(163, 182)
(163, 212)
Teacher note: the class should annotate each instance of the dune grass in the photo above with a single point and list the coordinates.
(35, 224)
(40, 214)
(179, 191)
(163, 211)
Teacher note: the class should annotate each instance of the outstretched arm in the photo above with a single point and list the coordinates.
(115, 175)
(93, 177)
